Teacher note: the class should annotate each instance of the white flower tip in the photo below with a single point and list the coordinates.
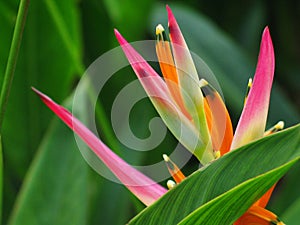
(203, 82)
(250, 81)
(171, 184)
(159, 29)
(279, 125)
(217, 154)
(166, 158)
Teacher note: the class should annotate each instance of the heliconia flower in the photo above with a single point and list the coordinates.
(180, 76)
(193, 111)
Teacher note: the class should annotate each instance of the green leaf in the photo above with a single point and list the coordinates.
(248, 162)
(55, 187)
(13, 57)
(44, 62)
(36, 67)
(233, 203)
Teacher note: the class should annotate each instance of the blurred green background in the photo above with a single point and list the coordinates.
(46, 181)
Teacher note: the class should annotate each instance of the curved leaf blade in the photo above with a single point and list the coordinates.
(232, 204)
(221, 176)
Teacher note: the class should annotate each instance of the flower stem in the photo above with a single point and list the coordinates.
(12, 57)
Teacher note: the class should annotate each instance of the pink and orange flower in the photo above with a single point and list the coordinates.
(181, 98)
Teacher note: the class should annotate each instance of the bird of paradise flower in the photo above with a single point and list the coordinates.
(197, 106)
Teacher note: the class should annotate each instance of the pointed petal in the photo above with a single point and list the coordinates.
(258, 215)
(168, 69)
(182, 56)
(174, 170)
(182, 128)
(155, 85)
(217, 117)
(140, 185)
(188, 77)
(164, 55)
(252, 122)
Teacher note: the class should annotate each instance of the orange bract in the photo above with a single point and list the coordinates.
(174, 170)
(217, 118)
(168, 69)
(257, 215)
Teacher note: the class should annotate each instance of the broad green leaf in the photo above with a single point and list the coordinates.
(222, 175)
(233, 203)
(45, 62)
(36, 65)
(55, 187)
